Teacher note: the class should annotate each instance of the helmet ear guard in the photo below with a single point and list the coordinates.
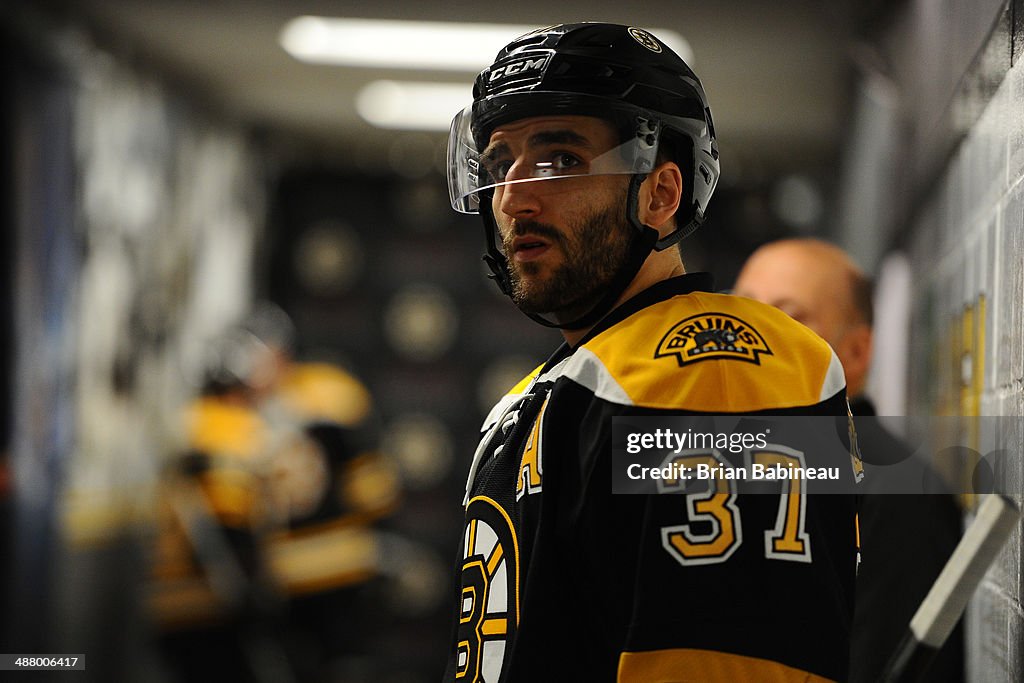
(690, 215)
(494, 258)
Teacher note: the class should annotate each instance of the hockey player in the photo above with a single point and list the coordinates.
(589, 152)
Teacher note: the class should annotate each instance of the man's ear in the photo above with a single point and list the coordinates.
(660, 194)
(857, 347)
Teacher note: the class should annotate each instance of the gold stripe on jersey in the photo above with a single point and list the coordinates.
(217, 427)
(494, 560)
(711, 353)
(494, 627)
(685, 665)
(323, 391)
(316, 562)
(471, 538)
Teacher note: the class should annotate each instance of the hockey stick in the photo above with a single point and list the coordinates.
(945, 602)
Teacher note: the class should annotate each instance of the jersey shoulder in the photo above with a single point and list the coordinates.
(711, 353)
(322, 391)
(224, 429)
(510, 397)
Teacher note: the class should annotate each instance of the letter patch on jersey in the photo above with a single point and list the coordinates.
(708, 336)
(531, 468)
(489, 612)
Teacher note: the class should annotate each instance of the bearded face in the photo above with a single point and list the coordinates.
(563, 228)
(583, 258)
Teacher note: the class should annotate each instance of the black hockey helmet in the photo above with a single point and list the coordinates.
(619, 73)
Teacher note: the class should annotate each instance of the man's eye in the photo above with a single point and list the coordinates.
(564, 161)
(498, 169)
(558, 164)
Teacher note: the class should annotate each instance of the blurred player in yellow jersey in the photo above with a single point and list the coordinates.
(211, 596)
(330, 484)
(314, 482)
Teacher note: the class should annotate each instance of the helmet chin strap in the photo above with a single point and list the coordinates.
(644, 240)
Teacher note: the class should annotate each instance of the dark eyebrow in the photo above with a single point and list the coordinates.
(558, 137)
(547, 137)
(494, 151)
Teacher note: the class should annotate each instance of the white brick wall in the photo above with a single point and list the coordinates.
(967, 256)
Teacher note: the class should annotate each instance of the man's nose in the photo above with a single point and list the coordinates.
(519, 198)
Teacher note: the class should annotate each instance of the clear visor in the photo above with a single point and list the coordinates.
(554, 156)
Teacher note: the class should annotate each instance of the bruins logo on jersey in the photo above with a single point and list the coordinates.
(709, 336)
(489, 612)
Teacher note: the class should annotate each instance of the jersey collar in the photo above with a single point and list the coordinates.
(660, 291)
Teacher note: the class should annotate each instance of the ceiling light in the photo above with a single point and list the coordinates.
(432, 45)
(403, 105)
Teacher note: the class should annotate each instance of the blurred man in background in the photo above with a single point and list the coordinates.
(905, 539)
(211, 597)
(271, 538)
(816, 284)
(330, 485)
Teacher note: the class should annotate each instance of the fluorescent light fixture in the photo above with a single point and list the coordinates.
(404, 105)
(433, 45)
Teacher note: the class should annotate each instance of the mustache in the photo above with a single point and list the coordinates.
(530, 227)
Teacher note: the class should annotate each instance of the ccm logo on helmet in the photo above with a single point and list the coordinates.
(518, 68)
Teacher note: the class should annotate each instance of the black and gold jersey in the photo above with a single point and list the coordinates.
(211, 510)
(329, 478)
(561, 580)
